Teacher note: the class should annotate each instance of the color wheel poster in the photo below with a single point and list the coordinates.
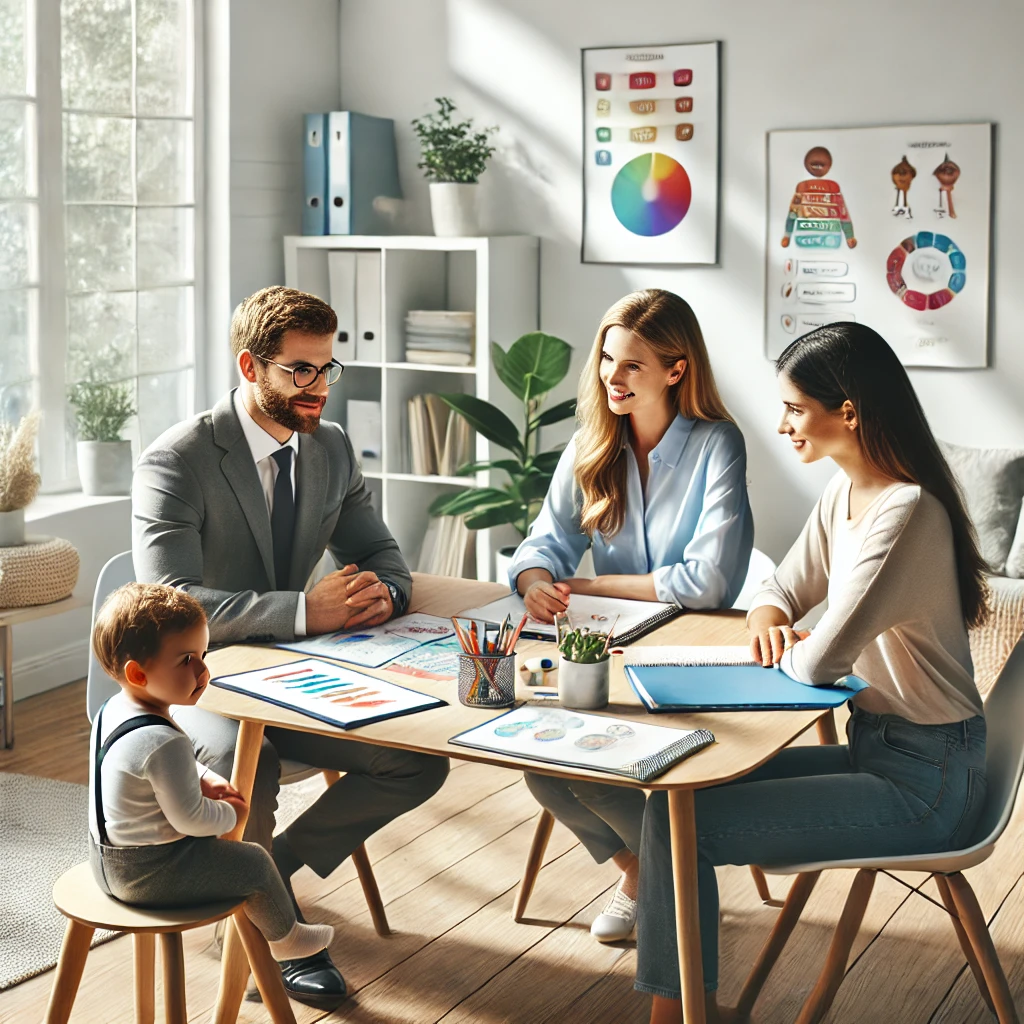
(887, 227)
(650, 154)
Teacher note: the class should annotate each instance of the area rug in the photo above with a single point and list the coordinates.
(43, 833)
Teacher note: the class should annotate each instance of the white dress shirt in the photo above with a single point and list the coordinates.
(263, 446)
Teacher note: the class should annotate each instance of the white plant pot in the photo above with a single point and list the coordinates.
(503, 562)
(12, 528)
(454, 208)
(105, 467)
(582, 687)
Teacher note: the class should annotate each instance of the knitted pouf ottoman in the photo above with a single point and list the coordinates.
(40, 571)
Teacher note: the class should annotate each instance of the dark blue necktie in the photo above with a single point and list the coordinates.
(282, 519)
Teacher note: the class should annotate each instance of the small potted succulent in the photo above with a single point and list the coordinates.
(582, 669)
(102, 409)
(453, 158)
(19, 481)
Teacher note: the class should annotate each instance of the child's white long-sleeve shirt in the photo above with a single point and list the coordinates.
(150, 784)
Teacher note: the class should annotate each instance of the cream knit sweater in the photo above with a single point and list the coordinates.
(894, 615)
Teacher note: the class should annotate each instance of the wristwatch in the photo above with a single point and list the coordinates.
(397, 596)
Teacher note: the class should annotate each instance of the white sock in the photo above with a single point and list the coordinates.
(302, 940)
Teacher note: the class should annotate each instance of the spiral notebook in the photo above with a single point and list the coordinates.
(578, 740)
(673, 679)
(629, 620)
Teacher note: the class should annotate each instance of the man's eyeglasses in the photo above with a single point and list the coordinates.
(305, 374)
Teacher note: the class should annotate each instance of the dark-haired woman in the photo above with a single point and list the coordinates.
(890, 546)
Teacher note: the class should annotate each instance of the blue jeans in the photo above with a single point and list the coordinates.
(896, 788)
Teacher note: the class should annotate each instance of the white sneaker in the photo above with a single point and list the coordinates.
(617, 920)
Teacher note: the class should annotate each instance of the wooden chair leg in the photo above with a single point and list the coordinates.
(370, 890)
(831, 977)
(534, 860)
(965, 942)
(974, 924)
(364, 870)
(234, 973)
(826, 726)
(74, 948)
(265, 970)
(145, 977)
(760, 883)
(799, 892)
(174, 978)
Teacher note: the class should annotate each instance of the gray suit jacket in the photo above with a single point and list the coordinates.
(200, 522)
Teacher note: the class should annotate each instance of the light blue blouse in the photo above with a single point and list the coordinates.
(692, 529)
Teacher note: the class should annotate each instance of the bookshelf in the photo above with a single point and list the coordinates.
(497, 278)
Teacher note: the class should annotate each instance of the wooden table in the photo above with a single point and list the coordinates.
(10, 617)
(745, 741)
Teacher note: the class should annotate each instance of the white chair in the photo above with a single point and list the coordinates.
(758, 570)
(99, 686)
(1004, 762)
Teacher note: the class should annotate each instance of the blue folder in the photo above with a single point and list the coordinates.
(666, 688)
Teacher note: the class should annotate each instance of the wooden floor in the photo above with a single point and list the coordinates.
(448, 872)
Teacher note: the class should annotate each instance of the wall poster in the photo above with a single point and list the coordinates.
(650, 154)
(888, 227)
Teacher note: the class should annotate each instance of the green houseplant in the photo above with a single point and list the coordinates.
(583, 681)
(102, 409)
(453, 156)
(533, 365)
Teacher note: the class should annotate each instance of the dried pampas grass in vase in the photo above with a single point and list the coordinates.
(19, 481)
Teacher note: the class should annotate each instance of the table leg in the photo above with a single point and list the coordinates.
(234, 967)
(683, 828)
(826, 725)
(6, 666)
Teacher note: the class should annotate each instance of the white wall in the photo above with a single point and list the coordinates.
(786, 64)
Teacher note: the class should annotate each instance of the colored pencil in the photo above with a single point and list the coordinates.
(510, 647)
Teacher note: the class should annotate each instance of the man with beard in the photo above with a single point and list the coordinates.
(236, 507)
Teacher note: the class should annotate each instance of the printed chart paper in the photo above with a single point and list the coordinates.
(650, 154)
(374, 647)
(887, 227)
(575, 738)
(438, 661)
(329, 693)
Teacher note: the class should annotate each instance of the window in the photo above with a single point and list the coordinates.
(98, 271)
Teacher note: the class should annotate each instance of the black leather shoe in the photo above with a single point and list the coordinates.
(314, 980)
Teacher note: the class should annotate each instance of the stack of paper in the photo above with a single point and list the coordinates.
(439, 336)
(439, 440)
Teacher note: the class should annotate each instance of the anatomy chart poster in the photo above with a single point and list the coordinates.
(887, 227)
(650, 154)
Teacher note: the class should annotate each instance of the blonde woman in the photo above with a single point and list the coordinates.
(654, 482)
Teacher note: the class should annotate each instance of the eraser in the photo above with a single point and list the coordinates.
(538, 664)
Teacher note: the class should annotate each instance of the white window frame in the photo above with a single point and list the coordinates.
(50, 349)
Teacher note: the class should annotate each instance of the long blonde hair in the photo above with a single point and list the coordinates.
(667, 325)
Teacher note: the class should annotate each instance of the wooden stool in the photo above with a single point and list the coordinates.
(77, 896)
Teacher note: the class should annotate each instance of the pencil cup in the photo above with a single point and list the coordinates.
(487, 680)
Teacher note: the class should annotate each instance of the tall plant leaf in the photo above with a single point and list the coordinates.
(468, 500)
(509, 465)
(498, 516)
(563, 411)
(547, 461)
(534, 364)
(488, 420)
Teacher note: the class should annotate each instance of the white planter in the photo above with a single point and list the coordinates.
(503, 562)
(454, 208)
(105, 467)
(12, 528)
(582, 687)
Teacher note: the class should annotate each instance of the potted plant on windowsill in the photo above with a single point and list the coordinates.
(102, 409)
(453, 158)
(583, 669)
(532, 367)
(19, 481)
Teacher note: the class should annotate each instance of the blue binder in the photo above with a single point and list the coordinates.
(673, 688)
(362, 168)
(314, 165)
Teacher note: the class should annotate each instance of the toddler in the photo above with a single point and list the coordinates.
(155, 813)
